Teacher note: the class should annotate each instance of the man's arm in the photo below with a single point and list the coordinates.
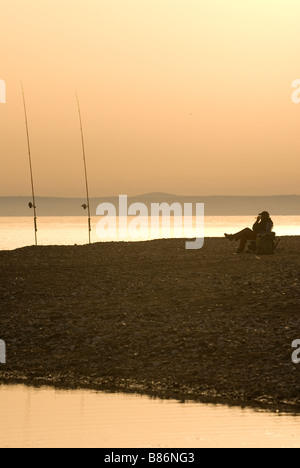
(256, 225)
(269, 226)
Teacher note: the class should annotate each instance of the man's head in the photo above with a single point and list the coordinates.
(264, 215)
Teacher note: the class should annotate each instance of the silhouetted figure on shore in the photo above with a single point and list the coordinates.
(263, 225)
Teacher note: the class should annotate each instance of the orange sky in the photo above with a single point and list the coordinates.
(183, 96)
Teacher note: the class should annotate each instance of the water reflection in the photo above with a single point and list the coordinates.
(51, 418)
(18, 232)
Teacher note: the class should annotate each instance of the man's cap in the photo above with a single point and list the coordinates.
(265, 213)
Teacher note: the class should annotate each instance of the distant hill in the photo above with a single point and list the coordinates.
(214, 205)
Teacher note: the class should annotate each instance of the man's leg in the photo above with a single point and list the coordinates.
(243, 236)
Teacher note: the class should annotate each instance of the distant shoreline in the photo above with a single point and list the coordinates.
(156, 319)
(214, 205)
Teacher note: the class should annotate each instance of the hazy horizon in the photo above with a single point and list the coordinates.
(216, 205)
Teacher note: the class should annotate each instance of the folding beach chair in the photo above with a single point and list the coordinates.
(265, 244)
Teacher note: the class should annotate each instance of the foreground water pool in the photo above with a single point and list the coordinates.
(54, 418)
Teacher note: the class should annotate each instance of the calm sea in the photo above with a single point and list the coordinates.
(18, 232)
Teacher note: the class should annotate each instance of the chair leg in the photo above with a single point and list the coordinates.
(276, 245)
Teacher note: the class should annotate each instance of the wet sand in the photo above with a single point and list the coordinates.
(156, 319)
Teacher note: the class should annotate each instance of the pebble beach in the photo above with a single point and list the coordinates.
(154, 318)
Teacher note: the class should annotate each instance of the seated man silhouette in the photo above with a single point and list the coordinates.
(263, 225)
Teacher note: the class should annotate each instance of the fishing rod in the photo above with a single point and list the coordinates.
(32, 204)
(87, 205)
